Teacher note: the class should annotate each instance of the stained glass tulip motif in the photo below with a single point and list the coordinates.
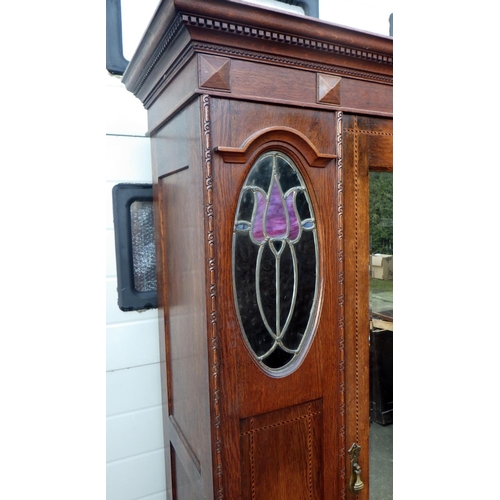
(275, 217)
(274, 261)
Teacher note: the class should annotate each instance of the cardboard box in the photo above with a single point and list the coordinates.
(381, 266)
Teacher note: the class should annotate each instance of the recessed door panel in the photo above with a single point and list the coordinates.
(281, 455)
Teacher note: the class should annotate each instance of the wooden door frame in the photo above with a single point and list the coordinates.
(365, 144)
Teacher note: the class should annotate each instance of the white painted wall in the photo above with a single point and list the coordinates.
(365, 15)
(135, 464)
(275, 4)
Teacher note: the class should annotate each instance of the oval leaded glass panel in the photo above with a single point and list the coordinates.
(275, 260)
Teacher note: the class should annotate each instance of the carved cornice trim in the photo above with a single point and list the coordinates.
(187, 20)
(167, 39)
(286, 38)
(288, 61)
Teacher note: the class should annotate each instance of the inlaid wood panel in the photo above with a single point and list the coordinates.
(281, 454)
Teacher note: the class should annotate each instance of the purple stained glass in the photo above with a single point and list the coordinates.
(292, 214)
(276, 224)
(275, 255)
(275, 217)
(258, 220)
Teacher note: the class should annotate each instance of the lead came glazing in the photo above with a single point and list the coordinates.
(275, 262)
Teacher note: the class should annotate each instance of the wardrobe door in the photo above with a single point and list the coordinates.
(366, 146)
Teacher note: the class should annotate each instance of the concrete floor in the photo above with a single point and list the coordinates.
(380, 462)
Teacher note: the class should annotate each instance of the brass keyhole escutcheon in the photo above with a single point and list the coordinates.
(355, 483)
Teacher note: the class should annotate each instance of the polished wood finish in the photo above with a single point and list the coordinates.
(269, 56)
(224, 82)
(297, 433)
(367, 145)
(254, 394)
(182, 245)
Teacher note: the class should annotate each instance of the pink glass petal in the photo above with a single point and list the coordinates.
(294, 223)
(276, 217)
(258, 221)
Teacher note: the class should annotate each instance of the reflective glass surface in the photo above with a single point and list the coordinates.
(275, 255)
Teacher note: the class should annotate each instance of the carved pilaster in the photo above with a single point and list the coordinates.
(215, 348)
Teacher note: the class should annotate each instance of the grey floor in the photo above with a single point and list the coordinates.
(380, 462)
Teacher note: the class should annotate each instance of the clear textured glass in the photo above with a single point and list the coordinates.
(143, 246)
(275, 256)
